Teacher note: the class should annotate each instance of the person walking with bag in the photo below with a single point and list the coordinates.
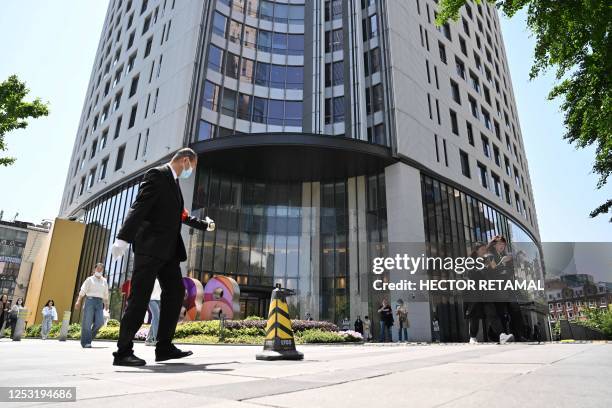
(49, 316)
(153, 227)
(95, 292)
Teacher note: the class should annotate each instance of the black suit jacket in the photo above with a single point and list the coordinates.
(153, 223)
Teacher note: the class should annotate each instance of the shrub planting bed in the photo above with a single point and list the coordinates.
(248, 331)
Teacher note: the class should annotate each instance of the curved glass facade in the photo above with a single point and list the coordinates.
(454, 222)
(263, 66)
(254, 69)
(292, 233)
(103, 218)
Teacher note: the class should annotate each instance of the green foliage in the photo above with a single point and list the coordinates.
(14, 110)
(208, 328)
(113, 323)
(55, 330)
(598, 319)
(320, 336)
(33, 330)
(572, 37)
(207, 332)
(242, 339)
(74, 331)
(556, 330)
(249, 318)
(108, 333)
(201, 339)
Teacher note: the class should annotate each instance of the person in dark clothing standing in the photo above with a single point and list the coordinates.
(385, 314)
(537, 333)
(153, 227)
(5, 308)
(474, 311)
(359, 325)
(499, 265)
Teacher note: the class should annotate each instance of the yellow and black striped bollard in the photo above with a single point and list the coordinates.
(279, 343)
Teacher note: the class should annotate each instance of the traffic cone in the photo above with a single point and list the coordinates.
(279, 343)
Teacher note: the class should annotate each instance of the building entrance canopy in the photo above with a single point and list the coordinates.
(293, 157)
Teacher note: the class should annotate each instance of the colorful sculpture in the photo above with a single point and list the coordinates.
(221, 294)
(192, 303)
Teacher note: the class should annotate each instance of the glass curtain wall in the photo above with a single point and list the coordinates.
(454, 222)
(257, 237)
(255, 69)
(260, 230)
(12, 243)
(103, 218)
(292, 233)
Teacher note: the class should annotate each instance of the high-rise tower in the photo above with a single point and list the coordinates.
(324, 129)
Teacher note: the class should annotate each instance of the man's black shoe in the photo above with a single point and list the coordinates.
(170, 354)
(130, 360)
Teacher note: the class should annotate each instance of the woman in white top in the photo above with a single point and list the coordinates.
(154, 309)
(49, 316)
(95, 290)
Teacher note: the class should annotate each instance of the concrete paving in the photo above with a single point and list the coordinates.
(453, 375)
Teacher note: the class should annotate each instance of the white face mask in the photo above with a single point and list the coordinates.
(98, 274)
(186, 173)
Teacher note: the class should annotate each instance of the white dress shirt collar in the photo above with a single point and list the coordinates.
(172, 170)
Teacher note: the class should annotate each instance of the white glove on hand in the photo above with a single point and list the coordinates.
(119, 248)
(211, 224)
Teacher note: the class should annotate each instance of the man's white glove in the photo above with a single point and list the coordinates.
(119, 248)
(211, 224)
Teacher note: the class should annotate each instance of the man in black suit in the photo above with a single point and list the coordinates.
(153, 227)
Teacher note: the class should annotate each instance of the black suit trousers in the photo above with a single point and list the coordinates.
(146, 269)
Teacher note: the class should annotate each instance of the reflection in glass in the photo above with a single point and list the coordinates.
(454, 222)
(261, 240)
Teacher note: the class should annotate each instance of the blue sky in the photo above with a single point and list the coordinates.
(51, 45)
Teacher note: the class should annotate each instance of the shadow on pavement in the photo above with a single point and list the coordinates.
(180, 368)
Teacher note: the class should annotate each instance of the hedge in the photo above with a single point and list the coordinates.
(248, 331)
(598, 319)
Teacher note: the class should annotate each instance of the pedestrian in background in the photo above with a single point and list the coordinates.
(95, 290)
(346, 324)
(537, 333)
(385, 314)
(359, 325)
(402, 318)
(5, 308)
(154, 309)
(474, 311)
(14, 315)
(367, 329)
(49, 316)
(436, 329)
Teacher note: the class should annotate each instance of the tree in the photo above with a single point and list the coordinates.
(14, 110)
(572, 37)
